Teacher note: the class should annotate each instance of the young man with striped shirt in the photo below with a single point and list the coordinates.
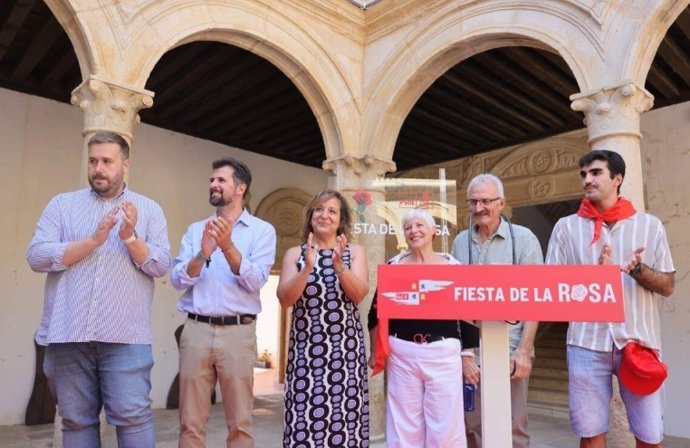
(608, 229)
(101, 248)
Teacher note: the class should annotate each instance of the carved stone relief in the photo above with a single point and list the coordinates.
(284, 209)
(539, 172)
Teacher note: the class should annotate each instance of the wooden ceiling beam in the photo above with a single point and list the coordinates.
(458, 121)
(475, 111)
(186, 79)
(13, 24)
(209, 89)
(427, 122)
(249, 102)
(661, 82)
(523, 82)
(409, 156)
(247, 116)
(675, 57)
(682, 22)
(489, 102)
(564, 85)
(66, 63)
(491, 82)
(283, 125)
(419, 134)
(180, 60)
(39, 47)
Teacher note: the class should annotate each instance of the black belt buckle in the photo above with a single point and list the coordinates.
(244, 319)
(228, 320)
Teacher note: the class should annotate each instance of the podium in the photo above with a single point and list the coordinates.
(494, 294)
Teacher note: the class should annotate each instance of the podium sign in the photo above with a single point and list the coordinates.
(501, 292)
(494, 293)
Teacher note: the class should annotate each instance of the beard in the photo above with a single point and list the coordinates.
(105, 187)
(218, 200)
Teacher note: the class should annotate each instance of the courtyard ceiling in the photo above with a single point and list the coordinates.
(231, 96)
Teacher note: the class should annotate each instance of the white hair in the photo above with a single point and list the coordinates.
(486, 178)
(421, 214)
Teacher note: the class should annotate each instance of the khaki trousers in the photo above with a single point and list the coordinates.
(518, 401)
(217, 353)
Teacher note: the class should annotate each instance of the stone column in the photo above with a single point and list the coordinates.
(612, 116)
(108, 106)
(352, 174)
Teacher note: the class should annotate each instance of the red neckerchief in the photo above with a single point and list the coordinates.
(622, 209)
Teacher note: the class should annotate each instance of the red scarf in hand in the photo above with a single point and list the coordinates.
(622, 209)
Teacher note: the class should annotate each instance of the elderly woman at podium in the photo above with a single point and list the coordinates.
(424, 367)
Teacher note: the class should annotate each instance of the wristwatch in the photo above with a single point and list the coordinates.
(207, 260)
(636, 270)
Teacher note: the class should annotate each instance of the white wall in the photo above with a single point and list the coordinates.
(41, 149)
(666, 161)
(268, 324)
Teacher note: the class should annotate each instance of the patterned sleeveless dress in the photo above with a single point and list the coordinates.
(326, 386)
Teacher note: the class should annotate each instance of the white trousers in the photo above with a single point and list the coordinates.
(424, 396)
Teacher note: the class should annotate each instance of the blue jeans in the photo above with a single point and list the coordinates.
(86, 376)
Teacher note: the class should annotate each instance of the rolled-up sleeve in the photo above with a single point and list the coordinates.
(47, 250)
(178, 276)
(159, 261)
(256, 265)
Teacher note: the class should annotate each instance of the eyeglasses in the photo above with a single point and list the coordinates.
(484, 202)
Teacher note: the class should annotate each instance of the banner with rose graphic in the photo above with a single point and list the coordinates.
(378, 210)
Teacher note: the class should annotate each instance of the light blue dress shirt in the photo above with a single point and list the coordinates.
(217, 291)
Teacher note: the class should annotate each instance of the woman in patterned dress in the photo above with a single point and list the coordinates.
(323, 279)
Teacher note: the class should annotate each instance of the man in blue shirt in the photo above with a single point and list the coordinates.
(224, 262)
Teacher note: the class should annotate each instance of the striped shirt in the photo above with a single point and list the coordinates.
(571, 244)
(217, 291)
(106, 296)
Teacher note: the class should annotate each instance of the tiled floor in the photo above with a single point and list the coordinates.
(547, 431)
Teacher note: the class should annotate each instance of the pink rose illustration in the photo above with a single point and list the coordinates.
(362, 198)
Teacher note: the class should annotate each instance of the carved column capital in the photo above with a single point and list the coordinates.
(109, 106)
(355, 172)
(613, 111)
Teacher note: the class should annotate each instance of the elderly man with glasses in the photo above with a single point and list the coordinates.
(493, 239)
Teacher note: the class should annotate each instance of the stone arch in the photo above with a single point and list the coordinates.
(452, 36)
(269, 33)
(646, 44)
(140, 32)
(284, 208)
(65, 15)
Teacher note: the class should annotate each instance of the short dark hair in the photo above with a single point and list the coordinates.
(111, 137)
(241, 173)
(614, 162)
(345, 226)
